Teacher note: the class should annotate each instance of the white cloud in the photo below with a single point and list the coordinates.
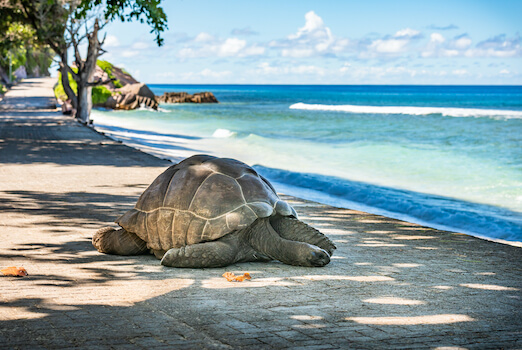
(231, 47)
(345, 68)
(203, 37)
(253, 50)
(437, 38)
(205, 45)
(388, 46)
(407, 33)
(313, 39)
(140, 45)
(314, 26)
(267, 69)
(460, 72)
(461, 46)
(213, 74)
(304, 69)
(462, 43)
(244, 31)
(111, 41)
(205, 76)
(298, 52)
(130, 53)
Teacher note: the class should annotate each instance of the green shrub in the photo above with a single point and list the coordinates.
(105, 66)
(59, 92)
(100, 94)
(3, 90)
(108, 67)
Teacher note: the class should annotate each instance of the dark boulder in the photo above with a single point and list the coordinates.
(183, 97)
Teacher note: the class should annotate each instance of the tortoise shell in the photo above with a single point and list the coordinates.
(201, 199)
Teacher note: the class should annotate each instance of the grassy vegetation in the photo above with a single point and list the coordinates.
(108, 67)
(59, 92)
(100, 94)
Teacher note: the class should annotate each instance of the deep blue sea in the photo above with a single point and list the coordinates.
(448, 157)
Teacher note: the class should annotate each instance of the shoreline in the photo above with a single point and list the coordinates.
(183, 142)
(391, 284)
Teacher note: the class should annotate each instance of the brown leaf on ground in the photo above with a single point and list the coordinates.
(14, 271)
(233, 278)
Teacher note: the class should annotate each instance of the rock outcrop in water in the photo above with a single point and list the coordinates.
(183, 97)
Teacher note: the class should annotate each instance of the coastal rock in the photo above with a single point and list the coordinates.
(139, 89)
(183, 97)
(127, 92)
(131, 96)
(132, 101)
(121, 78)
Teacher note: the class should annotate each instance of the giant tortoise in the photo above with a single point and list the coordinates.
(211, 212)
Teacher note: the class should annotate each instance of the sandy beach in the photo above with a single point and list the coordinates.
(390, 284)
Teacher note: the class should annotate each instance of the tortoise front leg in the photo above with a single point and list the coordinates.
(296, 230)
(209, 254)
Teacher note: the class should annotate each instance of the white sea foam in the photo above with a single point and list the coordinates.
(452, 112)
(223, 133)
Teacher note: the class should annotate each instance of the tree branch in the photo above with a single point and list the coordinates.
(101, 82)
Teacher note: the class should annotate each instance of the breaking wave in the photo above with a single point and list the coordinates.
(408, 110)
(224, 133)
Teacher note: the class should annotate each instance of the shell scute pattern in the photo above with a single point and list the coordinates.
(201, 199)
(255, 190)
(183, 186)
(231, 167)
(218, 194)
(153, 197)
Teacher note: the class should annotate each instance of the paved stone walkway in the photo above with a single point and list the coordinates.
(390, 284)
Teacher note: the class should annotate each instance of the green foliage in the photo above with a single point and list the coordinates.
(108, 67)
(128, 10)
(100, 94)
(59, 92)
(105, 66)
(3, 90)
(19, 46)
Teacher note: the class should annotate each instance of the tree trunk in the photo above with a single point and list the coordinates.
(64, 71)
(84, 103)
(85, 75)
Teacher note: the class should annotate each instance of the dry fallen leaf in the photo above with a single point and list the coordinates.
(233, 278)
(14, 271)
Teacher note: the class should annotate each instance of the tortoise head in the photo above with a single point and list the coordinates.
(316, 257)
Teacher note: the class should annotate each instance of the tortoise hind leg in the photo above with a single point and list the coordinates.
(119, 242)
(218, 253)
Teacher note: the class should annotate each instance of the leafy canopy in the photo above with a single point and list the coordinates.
(128, 10)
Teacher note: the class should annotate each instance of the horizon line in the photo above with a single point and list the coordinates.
(267, 84)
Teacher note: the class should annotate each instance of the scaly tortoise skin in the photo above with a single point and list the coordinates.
(208, 212)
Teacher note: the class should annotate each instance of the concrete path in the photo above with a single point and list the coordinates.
(390, 284)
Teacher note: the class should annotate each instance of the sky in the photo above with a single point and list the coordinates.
(325, 42)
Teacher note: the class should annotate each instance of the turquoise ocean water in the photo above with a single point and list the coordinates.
(449, 157)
